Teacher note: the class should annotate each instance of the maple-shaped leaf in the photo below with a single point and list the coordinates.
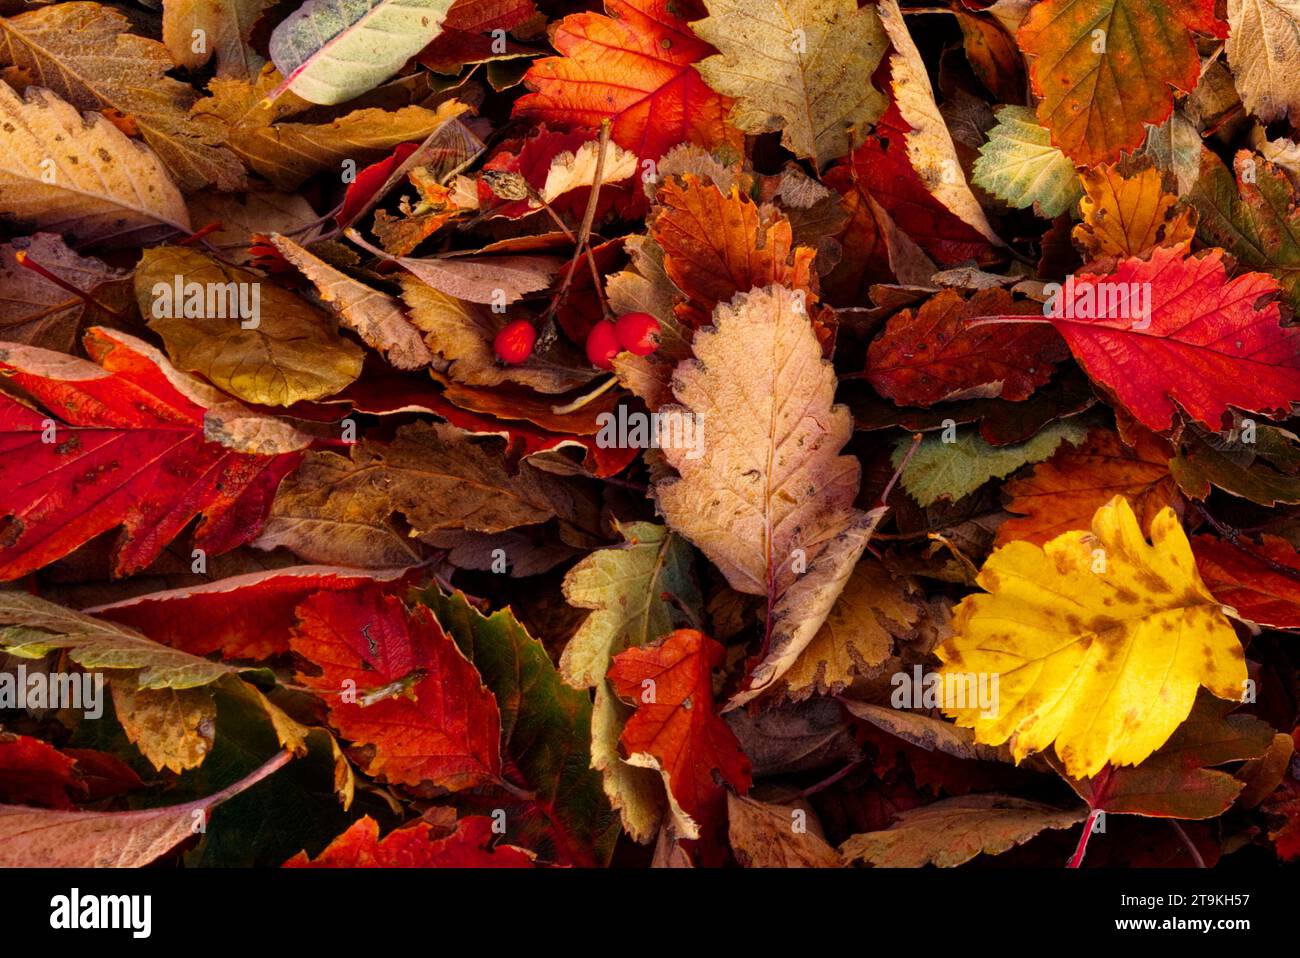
(935, 355)
(1255, 217)
(953, 831)
(1173, 332)
(631, 589)
(82, 176)
(546, 737)
(802, 66)
(471, 845)
(1263, 49)
(274, 350)
(396, 683)
(1260, 581)
(635, 68)
(1104, 68)
(1179, 780)
(1064, 492)
(130, 442)
(1128, 210)
(677, 730)
(244, 616)
(716, 245)
(767, 492)
(83, 52)
(1077, 629)
(1020, 166)
(54, 838)
(39, 312)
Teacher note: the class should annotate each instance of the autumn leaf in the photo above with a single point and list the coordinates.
(220, 30)
(800, 66)
(396, 683)
(1104, 68)
(631, 589)
(84, 53)
(1193, 338)
(954, 831)
(1020, 166)
(38, 312)
(1128, 211)
(1062, 493)
(1263, 49)
(1260, 582)
(103, 188)
(1092, 614)
(159, 448)
(677, 731)
(769, 492)
(765, 836)
(936, 354)
(261, 344)
(471, 845)
(634, 67)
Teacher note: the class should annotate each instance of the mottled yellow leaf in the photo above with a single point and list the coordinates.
(1128, 212)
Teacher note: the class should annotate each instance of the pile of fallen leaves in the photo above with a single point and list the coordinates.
(683, 432)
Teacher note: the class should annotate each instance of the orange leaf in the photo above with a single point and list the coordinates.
(469, 846)
(1128, 212)
(1262, 582)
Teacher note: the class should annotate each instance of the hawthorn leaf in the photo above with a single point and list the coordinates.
(332, 51)
(1020, 166)
(764, 836)
(768, 491)
(158, 449)
(1260, 582)
(1128, 211)
(1097, 627)
(1263, 49)
(631, 589)
(38, 312)
(636, 68)
(1104, 69)
(471, 845)
(955, 830)
(800, 66)
(104, 189)
(1266, 471)
(225, 27)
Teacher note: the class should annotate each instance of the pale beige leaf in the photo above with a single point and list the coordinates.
(768, 498)
(81, 177)
(929, 144)
(572, 171)
(84, 53)
(1263, 50)
(225, 27)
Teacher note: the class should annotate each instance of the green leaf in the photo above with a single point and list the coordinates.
(331, 51)
(950, 470)
(1019, 165)
(545, 731)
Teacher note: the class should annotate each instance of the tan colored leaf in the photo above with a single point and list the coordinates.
(242, 215)
(931, 734)
(37, 312)
(801, 66)
(953, 831)
(81, 176)
(773, 836)
(226, 26)
(85, 54)
(770, 499)
(376, 317)
(858, 634)
(1128, 212)
(929, 144)
(172, 728)
(1263, 50)
(284, 351)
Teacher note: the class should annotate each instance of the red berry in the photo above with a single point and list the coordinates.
(638, 333)
(602, 345)
(514, 344)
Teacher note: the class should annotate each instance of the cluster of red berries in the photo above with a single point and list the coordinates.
(636, 332)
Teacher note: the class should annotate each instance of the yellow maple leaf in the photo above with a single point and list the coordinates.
(1098, 641)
